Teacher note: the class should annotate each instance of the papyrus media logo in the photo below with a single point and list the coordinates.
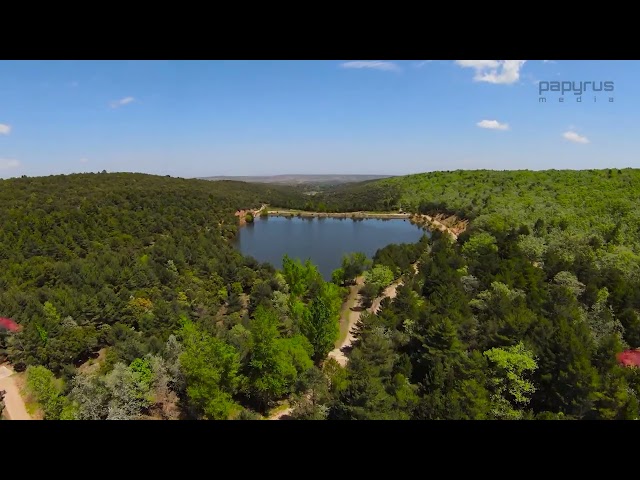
(576, 91)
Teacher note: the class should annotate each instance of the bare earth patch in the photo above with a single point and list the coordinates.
(281, 412)
(93, 364)
(14, 405)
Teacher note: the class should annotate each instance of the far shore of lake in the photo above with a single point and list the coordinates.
(451, 225)
(425, 221)
(302, 213)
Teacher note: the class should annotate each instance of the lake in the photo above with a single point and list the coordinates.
(323, 240)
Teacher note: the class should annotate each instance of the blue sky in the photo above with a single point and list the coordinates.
(205, 118)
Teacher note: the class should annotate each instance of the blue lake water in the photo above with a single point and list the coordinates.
(323, 240)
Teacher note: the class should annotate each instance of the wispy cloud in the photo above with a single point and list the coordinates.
(8, 163)
(122, 102)
(575, 137)
(421, 63)
(5, 129)
(373, 65)
(549, 61)
(493, 125)
(84, 160)
(478, 64)
(494, 71)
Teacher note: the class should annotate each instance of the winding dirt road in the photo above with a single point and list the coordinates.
(354, 313)
(14, 408)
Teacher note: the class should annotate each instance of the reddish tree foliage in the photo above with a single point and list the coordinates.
(629, 358)
(9, 324)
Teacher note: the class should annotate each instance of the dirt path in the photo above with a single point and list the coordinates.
(354, 312)
(346, 318)
(353, 316)
(391, 291)
(352, 309)
(14, 407)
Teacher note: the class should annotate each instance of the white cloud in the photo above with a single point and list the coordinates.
(372, 64)
(5, 129)
(478, 64)
(549, 61)
(7, 163)
(493, 125)
(84, 160)
(122, 101)
(574, 137)
(422, 63)
(494, 71)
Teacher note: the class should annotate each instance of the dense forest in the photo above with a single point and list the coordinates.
(481, 333)
(520, 318)
(141, 268)
(563, 203)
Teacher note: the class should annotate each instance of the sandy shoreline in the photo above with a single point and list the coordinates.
(425, 221)
(295, 213)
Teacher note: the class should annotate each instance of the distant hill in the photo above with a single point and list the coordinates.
(302, 179)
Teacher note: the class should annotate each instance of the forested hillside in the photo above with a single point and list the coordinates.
(123, 261)
(561, 211)
(522, 317)
(481, 333)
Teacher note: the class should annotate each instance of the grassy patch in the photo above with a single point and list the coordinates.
(31, 406)
(280, 408)
(344, 314)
